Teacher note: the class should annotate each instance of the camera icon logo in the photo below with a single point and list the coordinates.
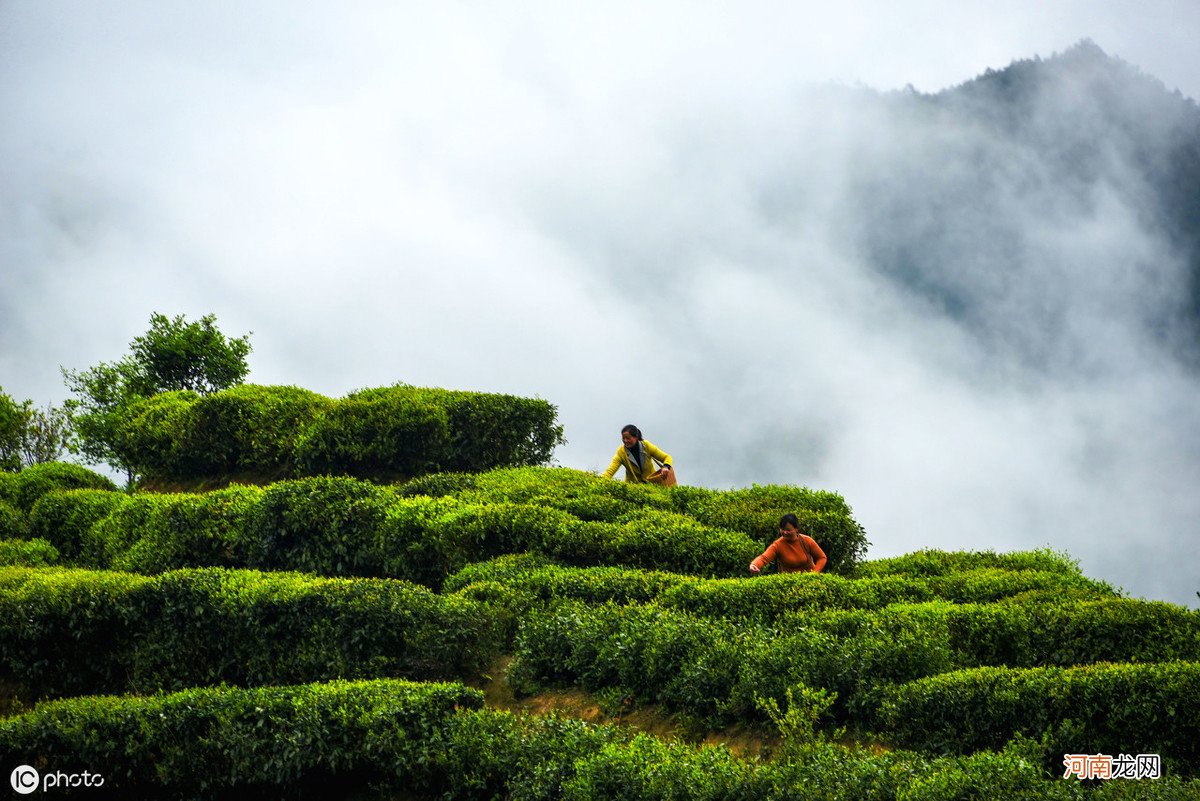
(25, 779)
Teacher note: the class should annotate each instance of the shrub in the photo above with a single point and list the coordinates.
(189, 530)
(543, 580)
(486, 430)
(335, 737)
(77, 631)
(1102, 708)
(247, 429)
(926, 563)
(755, 511)
(13, 524)
(65, 632)
(655, 541)
(66, 518)
(27, 553)
(330, 526)
(149, 432)
(26, 487)
(394, 436)
(584, 495)
(714, 670)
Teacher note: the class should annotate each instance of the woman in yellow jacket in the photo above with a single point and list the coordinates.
(639, 458)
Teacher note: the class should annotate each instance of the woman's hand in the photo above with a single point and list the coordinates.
(754, 568)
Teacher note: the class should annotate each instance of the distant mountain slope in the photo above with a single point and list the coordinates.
(1052, 207)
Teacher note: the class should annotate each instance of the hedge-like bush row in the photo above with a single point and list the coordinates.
(345, 739)
(1103, 708)
(754, 512)
(939, 563)
(531, 578)
(280, 432)
(327, 739)
(540, 579)
(69, 632)
(22, 490)
(65, 519)
(13, 524)
(28, 553)
(712, 667)
(772, 597)
(344, 526)
(708, 668)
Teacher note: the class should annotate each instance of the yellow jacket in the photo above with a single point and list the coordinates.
(650, 455)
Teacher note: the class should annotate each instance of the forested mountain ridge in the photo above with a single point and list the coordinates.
(1041, 204)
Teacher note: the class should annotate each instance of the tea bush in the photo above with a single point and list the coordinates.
(288, 432)
(543, 580)
(825, 516)
(709, 668)
(487, 430)
(375, 436)
(247, 429)
(13, 524)
(65, 519)
(27, 553)
(76, 631)
(22, 490)
(327, 738)
(931, 562)
(1102, 708)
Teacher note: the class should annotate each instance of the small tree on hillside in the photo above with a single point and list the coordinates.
(173, 355)
(12, 424)
(29, 435)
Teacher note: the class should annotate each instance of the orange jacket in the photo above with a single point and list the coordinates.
(792, 556)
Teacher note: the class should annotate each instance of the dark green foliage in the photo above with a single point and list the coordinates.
(336, 737)
(287, 432)
(659, 540)
(168, 532)
(64, 632)
(331, 526)
(147, 432)
(23, 489)
(543, 580)
(173, 356)
(13, 524)
(384, 435)
(486, 430)
(27, 553)
(1101, 708)
(74, 631)
(824, 516)
(585, 495)
(65, 518)
(13, 421)
(246, 429)
(927, 563)
(707, 668)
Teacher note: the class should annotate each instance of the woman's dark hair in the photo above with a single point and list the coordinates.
(790, 518)
(632, 429)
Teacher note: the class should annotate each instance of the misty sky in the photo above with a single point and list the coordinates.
(642, 215)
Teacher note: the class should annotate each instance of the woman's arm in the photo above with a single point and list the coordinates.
(815, 553)
(616, 464)
(763, 559)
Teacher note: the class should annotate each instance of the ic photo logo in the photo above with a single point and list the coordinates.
(26, 779)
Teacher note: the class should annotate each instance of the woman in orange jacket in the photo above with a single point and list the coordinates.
(795, 552)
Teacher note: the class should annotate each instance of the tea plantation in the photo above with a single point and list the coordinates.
(330, 630)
